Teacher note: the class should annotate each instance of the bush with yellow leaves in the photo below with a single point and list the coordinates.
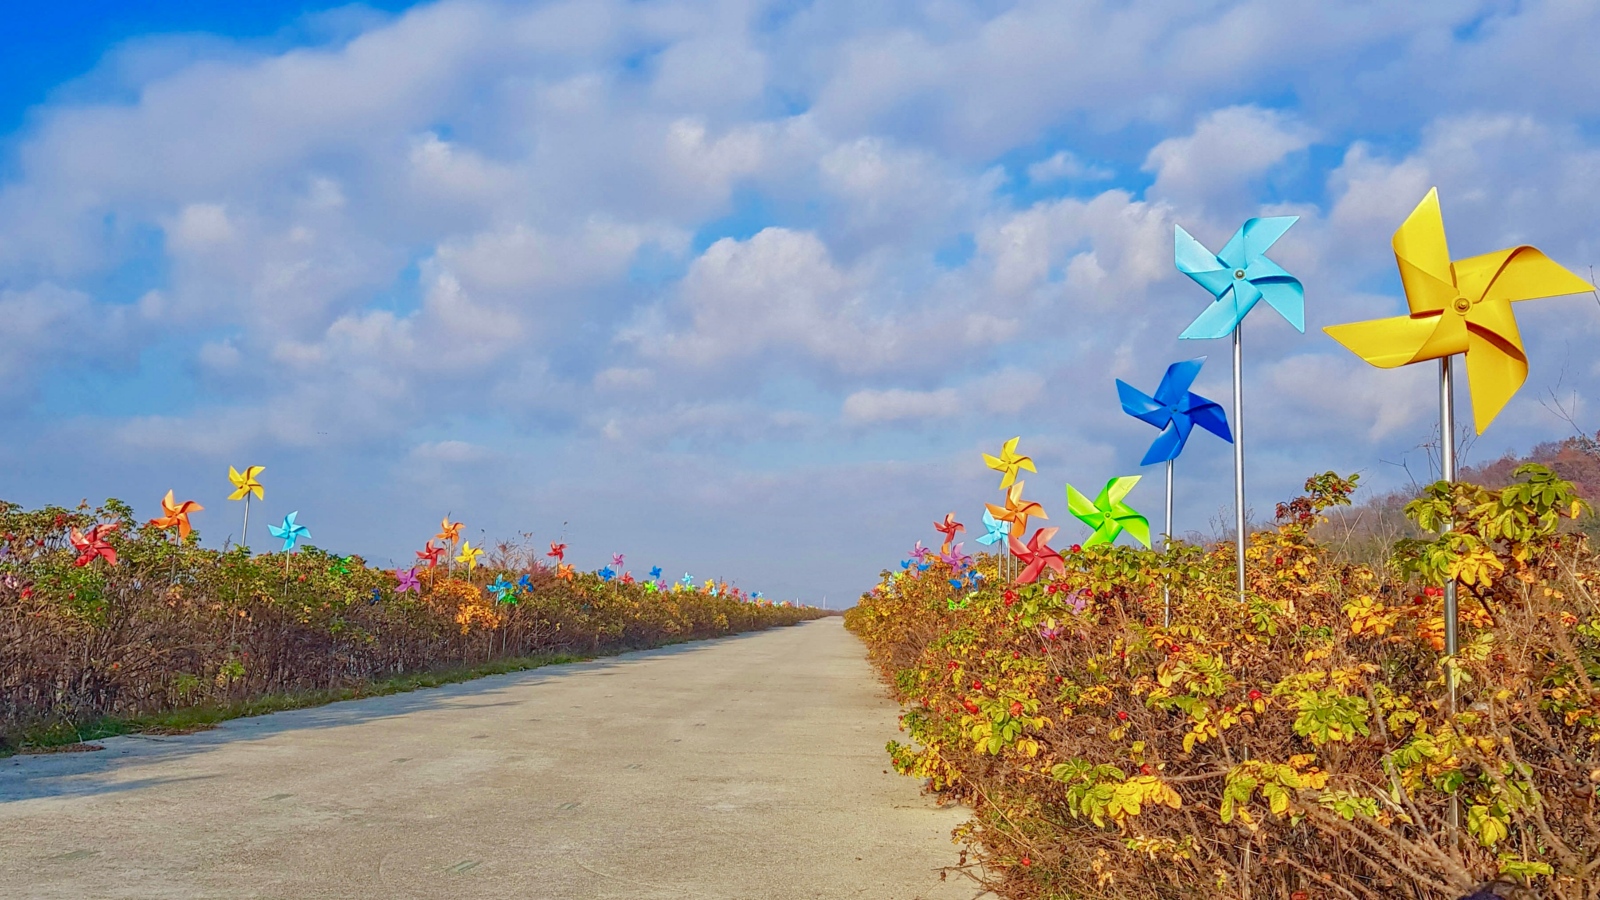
(1301, 744)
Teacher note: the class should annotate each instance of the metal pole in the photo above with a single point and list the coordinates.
(1238, 457)
(244, 535)
(1447, 471)
(1166, 545)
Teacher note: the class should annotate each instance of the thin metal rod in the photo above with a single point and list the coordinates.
(1238, 457)
(1447, 471)
(1166, 546)
(244, 535)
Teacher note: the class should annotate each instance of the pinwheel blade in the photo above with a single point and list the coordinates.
(1258, 235)
(1195, 261)
(1218, 320)
(1167, 445)
(1209, 414)
(1288, 298)
(1140, 405)
(1175, 383)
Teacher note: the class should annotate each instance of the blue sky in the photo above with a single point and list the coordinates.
(743, 287)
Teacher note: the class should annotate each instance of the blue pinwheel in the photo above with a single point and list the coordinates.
(526, 583)
(996, 530)
(1240, 276)
(655, 573)
(1174, 409)
(606, 573)
(290, 531)
(687, 580)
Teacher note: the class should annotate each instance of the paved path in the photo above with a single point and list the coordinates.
(747, 768)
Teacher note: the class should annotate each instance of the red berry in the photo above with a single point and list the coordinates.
(1122, 716)
(1254, 694)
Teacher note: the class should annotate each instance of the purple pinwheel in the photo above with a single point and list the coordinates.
(408, 582)
(920, 553)
(616, 560)
(955, 559)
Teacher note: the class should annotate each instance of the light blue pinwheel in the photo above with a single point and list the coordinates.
(1174, 409)
(996, 530)
(687, 580)
(290, 531)
(504, 591)
(1239, 276)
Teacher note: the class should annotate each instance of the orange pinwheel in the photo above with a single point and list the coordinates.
(1459, 306)
(449, 531)
(1017, 510)
(175, 514)
(948, 528)
(1037, 555)
(1009, 462)
(564, 571)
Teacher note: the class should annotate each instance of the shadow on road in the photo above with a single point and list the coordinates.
(112, 770)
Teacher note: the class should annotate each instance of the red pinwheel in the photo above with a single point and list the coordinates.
(93, 544)
(557, 551)
(430, 554)
(1037, 555)
(948, 528)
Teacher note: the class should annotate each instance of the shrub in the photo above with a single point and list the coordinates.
(1300, 744)
(173, 624)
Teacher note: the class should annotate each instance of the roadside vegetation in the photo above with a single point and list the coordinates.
(1302, 744)
(109, 626)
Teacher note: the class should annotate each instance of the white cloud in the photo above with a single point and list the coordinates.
(1066, 166)
(1227, 149)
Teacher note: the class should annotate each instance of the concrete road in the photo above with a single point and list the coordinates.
(747, 768)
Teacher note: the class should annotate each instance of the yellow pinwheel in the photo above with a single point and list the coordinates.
(1461, 306)
(1009, 462)
(469, 555)
(245, 484)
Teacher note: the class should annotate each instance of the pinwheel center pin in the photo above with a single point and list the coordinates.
(1238, 274)
(1462, 305)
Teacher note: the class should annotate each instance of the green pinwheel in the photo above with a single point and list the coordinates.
(1109, 515)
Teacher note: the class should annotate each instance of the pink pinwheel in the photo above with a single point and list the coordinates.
(1037, 555)
(954, 558)
(948, 528)
(1050, 629)
(408, 582)
(920, 553)
(558, 551)
(616, 560)
(93, 545)
(430, 554)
